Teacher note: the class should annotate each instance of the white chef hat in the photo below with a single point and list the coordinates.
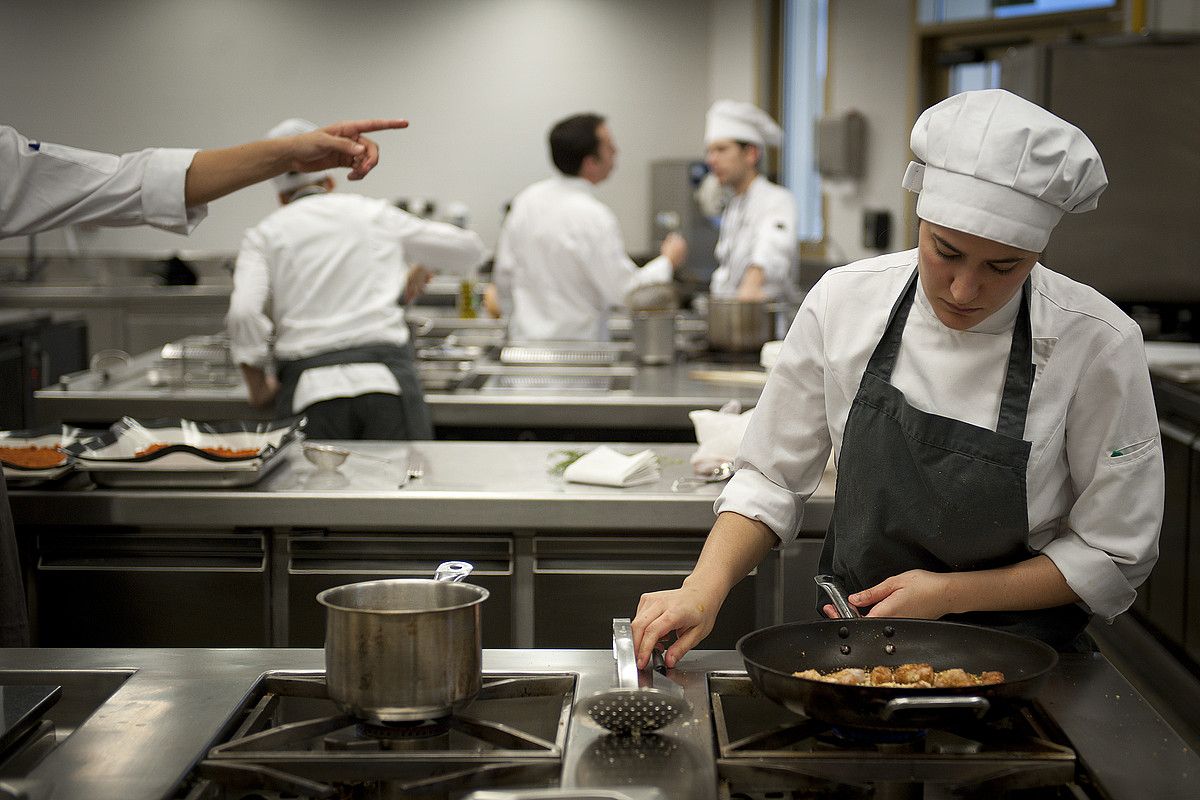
(294, 180)
(1001, 167)
(742, 122)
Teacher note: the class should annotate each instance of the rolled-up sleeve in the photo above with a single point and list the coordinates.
(1109, 542)
(47, 185)
(787, 443)
(248, 325)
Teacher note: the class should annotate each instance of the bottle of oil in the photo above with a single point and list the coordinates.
(466, 299)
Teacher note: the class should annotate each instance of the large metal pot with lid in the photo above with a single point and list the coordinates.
(404, 649)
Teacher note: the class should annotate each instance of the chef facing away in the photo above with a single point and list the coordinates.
(992, 422)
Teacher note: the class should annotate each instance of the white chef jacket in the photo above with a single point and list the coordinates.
(561, 263)
(1095, 473)
(45, 185)
(757, 228)
(327, 272)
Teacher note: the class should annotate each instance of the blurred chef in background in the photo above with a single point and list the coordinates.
(561, 262)
(756, 248)
(322, 279)
(44, 185)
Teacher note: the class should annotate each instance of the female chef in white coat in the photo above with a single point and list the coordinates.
(44, 185)
(992, 421)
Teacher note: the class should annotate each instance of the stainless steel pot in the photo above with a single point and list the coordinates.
(404, 649)
(738, 326)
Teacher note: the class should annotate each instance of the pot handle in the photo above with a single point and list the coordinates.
(452, 571)
(979, 705)
(837, 595)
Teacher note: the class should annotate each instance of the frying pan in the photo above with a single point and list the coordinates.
(772, 654)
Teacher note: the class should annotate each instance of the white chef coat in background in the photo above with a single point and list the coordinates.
(44, 185)
(1095, 475)
(326, 272)
(561, 263)
(758, 228)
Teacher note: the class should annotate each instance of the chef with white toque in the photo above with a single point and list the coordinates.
(756, 248)
(314, 318)
(994, 430)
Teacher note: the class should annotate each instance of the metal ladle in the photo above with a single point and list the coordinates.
(721, 472)
(629, 707)
(328, 458)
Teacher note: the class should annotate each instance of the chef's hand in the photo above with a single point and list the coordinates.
(414, 285)
(752, 288)
(341, 145)
(491, 302)
(675, 248)
(917, 594)
(687, 611)
(261, 387)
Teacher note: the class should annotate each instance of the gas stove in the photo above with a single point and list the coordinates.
(764, 750)
(290, 741)
(257, 723)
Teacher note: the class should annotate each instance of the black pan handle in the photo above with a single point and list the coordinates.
(899, 705)
(833, 588)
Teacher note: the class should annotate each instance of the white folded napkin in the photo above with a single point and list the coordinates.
(719, 434)
(606, 467)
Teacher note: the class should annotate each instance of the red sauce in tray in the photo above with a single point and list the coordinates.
(222, 452)
(32, 457)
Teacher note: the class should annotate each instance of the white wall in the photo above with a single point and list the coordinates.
(870, 45)
(481, 81)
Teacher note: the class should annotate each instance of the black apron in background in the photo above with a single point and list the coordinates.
(920, 491)
(400, 361)
(14, 625)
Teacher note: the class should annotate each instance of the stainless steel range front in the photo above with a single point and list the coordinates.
(258, 725)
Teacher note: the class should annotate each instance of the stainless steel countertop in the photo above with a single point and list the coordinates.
(466, 486)
(146, 737)
(658, 397)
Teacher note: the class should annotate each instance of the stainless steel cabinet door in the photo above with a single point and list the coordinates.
(1165, 605)
(95, 588)
(580, 584)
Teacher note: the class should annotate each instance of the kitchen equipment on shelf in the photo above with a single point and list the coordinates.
(773, 654)
(633, 706)
(404, 649)
(722, 472)
(738, 326)
(653, 336)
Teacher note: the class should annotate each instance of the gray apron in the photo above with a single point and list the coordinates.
(920, 491)
(14, 624)
(400, 361)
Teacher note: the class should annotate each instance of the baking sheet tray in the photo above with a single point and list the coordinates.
(221, 477)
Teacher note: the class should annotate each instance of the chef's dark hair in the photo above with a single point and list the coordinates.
(574, 139)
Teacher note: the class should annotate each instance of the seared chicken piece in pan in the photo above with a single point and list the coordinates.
(810, 674)
(851, 676)
(914, 673)
(949, 678)
(992, 676)
(882, 675)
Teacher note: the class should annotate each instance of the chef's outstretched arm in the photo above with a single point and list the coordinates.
(735, 546)
(1024, 586)
(216, 173)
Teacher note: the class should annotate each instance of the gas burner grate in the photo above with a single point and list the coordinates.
(762, 747)
(291, 739)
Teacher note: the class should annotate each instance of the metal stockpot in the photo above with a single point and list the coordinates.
(404, 649)
(738, 326)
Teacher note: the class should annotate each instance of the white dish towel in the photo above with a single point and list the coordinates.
(606, 467)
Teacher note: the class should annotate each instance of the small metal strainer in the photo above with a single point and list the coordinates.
(629, 707)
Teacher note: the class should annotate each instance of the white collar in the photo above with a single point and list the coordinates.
(1001, 321)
